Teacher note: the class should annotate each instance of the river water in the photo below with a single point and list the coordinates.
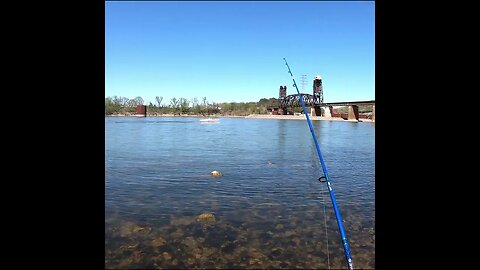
(268, 208)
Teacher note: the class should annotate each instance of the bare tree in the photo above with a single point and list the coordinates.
(194, 102)
(132, 103)
(117, 100)
(124, 101)
(195, 105)
(138, 101)
(159, 101)
(174, 103)
(184, 105)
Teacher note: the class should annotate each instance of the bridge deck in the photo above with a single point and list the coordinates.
(342, 103)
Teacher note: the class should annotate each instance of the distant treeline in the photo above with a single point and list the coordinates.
(126, 106)
(123, 105)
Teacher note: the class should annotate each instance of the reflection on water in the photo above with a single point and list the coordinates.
(267, 206)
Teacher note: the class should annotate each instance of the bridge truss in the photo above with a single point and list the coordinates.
(294, 100)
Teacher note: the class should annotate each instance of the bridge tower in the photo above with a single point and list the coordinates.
(281, 96)
(317, 96)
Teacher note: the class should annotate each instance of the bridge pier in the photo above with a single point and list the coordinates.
(353, 112)
(328, 111)
(316, 111)
(373, 113)
(141, 111)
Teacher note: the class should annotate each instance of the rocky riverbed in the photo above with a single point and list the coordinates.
(206, 241)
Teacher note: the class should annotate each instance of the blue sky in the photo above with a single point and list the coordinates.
(233, 51)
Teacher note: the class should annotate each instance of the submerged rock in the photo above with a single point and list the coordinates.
(141, 229)
(216, 174)
(177, 234)
(290, 233)
(181, 221)
(209, 251)
(134, 246)
(158, 242)
(190, 242)
(125, 229)
(167, 256)
(206, 217)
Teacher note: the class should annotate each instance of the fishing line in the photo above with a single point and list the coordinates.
(326, 226)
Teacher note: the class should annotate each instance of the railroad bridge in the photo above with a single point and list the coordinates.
(315, 101)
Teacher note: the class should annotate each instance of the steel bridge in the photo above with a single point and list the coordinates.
(315, 101)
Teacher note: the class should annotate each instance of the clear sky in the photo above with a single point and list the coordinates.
(233, 51)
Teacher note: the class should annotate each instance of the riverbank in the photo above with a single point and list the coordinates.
(176, 115)
(254, 116)
(302, 117)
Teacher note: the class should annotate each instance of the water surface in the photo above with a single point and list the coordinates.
(268, 206)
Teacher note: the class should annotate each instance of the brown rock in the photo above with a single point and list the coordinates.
(206, 217)
(167, 256)
(141, 229)
(158, 242)
(216, 174)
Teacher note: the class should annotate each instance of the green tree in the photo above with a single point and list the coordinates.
(151, 108)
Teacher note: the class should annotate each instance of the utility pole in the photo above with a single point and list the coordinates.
(304, 82)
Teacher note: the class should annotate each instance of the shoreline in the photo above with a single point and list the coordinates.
(302, 117)
(256, 116)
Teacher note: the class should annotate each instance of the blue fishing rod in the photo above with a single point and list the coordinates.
(346, 247)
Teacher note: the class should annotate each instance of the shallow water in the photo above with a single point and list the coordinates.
(268, 205)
